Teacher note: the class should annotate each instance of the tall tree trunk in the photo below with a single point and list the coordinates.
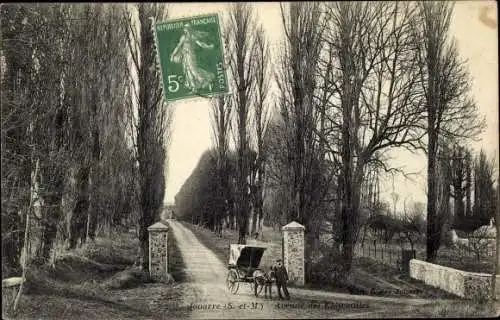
(346, 176)
(337, 221)
(53, 179)
(94, 173)
(444, 212)
(51, 215)
(33, 194)
(350, 213)
(152, 123)
(468, 183)
(78, 218)
(258, 208)
(433, 229)
(242, 228)
(253, 227)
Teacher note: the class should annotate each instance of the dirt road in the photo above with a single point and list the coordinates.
(208, 298)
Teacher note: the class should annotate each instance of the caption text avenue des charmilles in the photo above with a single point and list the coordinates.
(177, 25)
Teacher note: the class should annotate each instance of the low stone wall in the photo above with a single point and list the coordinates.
(467, 285)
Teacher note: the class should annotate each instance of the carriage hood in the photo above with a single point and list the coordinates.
(245, 256)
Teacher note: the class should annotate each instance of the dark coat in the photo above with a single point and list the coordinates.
(280, 274)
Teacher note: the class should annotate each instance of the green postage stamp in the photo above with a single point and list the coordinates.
(191, 57)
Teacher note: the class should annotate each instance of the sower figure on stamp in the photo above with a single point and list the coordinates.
(281, 279)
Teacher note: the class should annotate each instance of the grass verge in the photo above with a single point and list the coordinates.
(96, 281)
(459, 309)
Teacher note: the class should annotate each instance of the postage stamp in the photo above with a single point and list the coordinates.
(191, 57)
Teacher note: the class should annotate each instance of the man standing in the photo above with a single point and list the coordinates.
(281, 279)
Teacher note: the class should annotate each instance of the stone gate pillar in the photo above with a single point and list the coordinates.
(293, 252)
(158, 254)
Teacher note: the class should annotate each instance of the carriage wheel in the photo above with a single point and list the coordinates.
(232, 281)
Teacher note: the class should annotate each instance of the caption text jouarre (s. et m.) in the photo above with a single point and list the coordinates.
(261, 306)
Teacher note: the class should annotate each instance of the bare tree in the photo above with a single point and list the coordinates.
(484, 204)
(83, 117)
(16, 139)
(375, 96)
(276, 196)
(51, 124)
(413, 225)
(261, 118)
(444, 181)
(153, 118)
(58, 112)
(460, 165)
(109, 118)
(221, 126)
(300, 172)
(450, 112)
(468, 183)
(95, 111)
(240, 34)
(480, 243)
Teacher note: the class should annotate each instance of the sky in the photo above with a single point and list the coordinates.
(474, 26)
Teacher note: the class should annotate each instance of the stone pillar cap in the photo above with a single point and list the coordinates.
(158, 227)
(293, 226)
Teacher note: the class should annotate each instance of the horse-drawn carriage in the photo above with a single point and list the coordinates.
(243, 266)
